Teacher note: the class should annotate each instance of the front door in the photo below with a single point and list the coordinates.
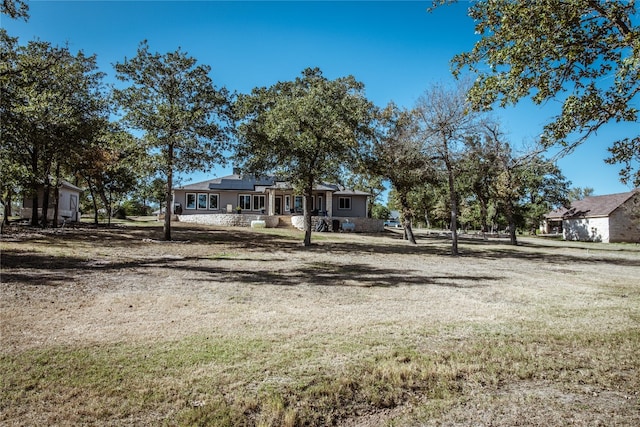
(73, 207)
(278, 205)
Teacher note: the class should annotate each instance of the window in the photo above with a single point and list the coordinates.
(298, 203)
(244, 201)
(319, 207)
(344, 203)
(287, 203)
(213, 202)
(258, 203)
(191, 201)
(202, 201)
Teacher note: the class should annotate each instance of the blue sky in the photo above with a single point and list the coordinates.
(397, 49)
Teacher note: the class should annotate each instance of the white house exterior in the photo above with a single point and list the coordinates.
(610, 218)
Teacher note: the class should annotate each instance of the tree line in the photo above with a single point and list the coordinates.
(445, 158)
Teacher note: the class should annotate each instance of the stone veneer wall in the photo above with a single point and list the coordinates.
(363, 225)
(229, 220)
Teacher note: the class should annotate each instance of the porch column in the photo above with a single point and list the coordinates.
(272, 202)
(329, 203)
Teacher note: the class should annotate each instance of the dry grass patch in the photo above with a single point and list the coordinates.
(240, 327)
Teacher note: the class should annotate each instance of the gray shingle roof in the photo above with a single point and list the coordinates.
(590, 207)
(237, 182)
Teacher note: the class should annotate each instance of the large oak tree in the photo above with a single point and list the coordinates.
(184, 117)
(585, 53)
(49, 100)
(303, 130)
(447, 123)
(397, 156)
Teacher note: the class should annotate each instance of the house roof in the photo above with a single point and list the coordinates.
(594, 206)
(237, 182)
(202, 185)
(347, 192)
(70, 186)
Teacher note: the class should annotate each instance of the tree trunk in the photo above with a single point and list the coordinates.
(45, 202)
(56, 203)
(407, 217)
(168, 200)
(454, 223)
(167, 212)
(34, 187)
(106, 201)
(34, 207)
(307, 214)
(483, 216)
(512, 226)
(453, 201)
(56, 197)
(7, 208)
(95, 203)
(484, 220)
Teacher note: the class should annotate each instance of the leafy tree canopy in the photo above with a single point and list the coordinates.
(50, 100)
(186, 119)
(304, 130)
(585, 52)
(15, 9)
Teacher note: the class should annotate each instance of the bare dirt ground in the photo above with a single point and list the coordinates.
(87, 286)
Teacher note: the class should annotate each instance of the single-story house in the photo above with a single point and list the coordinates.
(610, 218)
(68, 203)
(263, 198)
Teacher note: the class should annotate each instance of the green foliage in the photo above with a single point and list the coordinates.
(304, 130)
(370, 183)
(380, 211)
(627, 152)
(447, 124)
(586, 53)
(579, 193)
(396, 155)
(111, 164)
(493, 187)
(51, 100)
(185, 118)
(133, 208)
(15, 9)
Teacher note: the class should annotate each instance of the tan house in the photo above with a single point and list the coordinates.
(610, 218)
(219, 200)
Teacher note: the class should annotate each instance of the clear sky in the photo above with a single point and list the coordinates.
(397, 49)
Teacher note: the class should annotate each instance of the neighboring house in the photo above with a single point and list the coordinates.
(264, 196)
(68, 203)
(609, 219)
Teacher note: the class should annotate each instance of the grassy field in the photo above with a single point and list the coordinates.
(234, 327)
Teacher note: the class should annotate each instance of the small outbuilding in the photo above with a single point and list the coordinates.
(68, 203)
(609, 219)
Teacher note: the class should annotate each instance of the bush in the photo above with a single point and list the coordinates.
(132, 207)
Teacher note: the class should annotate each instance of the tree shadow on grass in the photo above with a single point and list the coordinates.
(129, 237)
(341, 275)
(556, 255)
(42, 270)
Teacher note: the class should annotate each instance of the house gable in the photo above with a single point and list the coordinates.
(608, 218)
(592, 207)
